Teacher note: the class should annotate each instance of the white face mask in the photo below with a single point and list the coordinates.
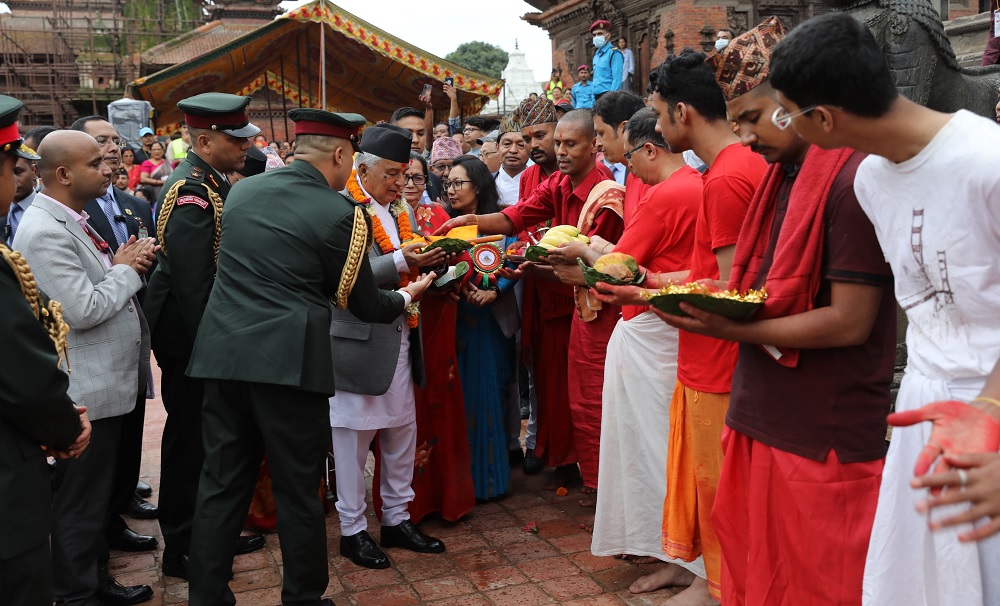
(721, 44)
(600, 41)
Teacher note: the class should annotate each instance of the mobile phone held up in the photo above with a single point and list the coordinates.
(449, 81)
(427, 90)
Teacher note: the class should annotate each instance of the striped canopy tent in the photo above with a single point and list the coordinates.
(321, 56)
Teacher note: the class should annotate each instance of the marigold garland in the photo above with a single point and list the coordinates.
(398, 210)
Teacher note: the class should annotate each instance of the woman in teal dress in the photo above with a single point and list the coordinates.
(487, 320)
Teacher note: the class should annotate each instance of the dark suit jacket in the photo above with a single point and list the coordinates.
(34, 410)
(179, 288)
(136, 214)
(285, 240)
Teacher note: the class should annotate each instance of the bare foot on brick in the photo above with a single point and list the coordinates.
(642, 559)
(695, 595)
(664, 574)
(590, 498)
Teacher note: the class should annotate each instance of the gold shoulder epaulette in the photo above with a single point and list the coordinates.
(170, 202)
(358, 248)
(48, 314)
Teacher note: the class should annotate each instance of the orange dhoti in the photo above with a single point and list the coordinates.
(694, 463)
(793, 530)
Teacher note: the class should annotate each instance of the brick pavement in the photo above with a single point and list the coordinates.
(490, 560)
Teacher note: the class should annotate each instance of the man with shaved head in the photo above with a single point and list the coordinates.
(576, 195)
(108, 350)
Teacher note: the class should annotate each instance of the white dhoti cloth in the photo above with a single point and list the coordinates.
(639, 377)
(908, 564)
(355, 418)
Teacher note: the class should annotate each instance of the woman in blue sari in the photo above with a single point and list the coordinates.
(487, 321)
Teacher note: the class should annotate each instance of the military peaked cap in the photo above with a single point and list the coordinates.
(219, 111)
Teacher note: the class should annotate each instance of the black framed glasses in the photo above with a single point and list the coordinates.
(417, 179)
(119, 143)
(457, 183)
(441, 166)
(628, 154)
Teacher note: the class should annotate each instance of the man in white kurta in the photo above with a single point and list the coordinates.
(374, 378)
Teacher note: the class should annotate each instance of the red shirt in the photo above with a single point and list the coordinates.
(557, 199)
(635, 192)
(661, 233)
(704, 363)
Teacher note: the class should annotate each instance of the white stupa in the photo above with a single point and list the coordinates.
(519, 82)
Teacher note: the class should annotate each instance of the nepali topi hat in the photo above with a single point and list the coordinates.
(219, 111)
(511, 123)
(320, 122)
(388, 142)
(445, 148)
(533, 112)
(743, 65)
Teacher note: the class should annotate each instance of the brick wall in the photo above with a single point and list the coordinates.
(686, 19)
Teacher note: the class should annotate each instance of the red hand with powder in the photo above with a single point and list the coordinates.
(958, 428)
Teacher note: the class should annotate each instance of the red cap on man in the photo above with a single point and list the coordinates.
(600, 24)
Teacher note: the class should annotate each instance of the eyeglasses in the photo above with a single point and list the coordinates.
(782, 119)
(102, 141)
(470, 129)
(628, 154)
(440, 167)
(483, 154)
(417, 179)
(457, 183)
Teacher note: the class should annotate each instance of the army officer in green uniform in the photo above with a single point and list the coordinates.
(188, 213)
(290, 245)
(35, 409)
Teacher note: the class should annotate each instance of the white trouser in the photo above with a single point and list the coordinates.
(350, 452)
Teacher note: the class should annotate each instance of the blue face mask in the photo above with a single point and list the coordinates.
(600, 41)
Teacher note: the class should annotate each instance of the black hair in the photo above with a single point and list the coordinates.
(81, 123)
(833, 60)
(406, 112)
(121, 171)
(147, 193)
(617, 107)
(488, 198)
(423, 161)
(38, 133)
(484, 124)
(687, 79)
(623, 38)
(641, 129)
(726, 29)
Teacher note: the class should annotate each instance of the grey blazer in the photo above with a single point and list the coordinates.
(364, 355)
(108, 336)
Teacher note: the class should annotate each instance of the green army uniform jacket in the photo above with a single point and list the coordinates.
(286, 240)
(35, 410)
(179, 287)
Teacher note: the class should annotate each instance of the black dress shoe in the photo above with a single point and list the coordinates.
(408, 536)
(143, 489)
(250, 542)
(178, 567)
(363, 551)
(516, 457)
(531, 464)
(141, 509)
(175, 566)
(128, 540)
(113, 593)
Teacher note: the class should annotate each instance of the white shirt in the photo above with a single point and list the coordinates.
(509, 187)
(937, 218)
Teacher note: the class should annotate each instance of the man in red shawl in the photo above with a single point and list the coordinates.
(565, 198)
(546, 313)
(804, 441)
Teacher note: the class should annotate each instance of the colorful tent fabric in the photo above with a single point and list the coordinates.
(368, 71)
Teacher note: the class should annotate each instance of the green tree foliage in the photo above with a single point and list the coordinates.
(480, 57)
